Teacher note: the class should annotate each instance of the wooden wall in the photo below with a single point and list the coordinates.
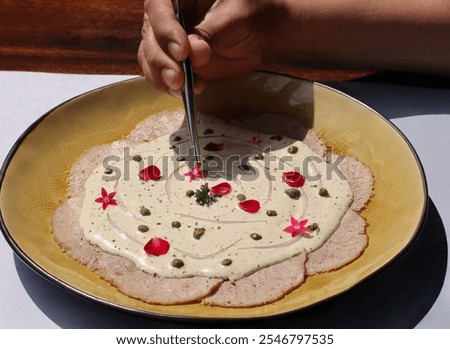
(79, 36)
(88, 36)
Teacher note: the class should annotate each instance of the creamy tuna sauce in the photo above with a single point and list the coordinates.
(140, 205)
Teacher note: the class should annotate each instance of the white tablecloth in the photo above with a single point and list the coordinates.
(422, 114)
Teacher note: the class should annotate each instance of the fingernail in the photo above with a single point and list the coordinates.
(168, 76)
(174, 49)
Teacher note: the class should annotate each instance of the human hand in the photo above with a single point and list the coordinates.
(228, 38)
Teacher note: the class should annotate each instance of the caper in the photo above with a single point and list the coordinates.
(143, 228)
(226, 262)
(177, 263)
(198, 233)
(292, 149)
(271, 213)
(108, 171)
(244, 167)
(176, 224)
(313, 227)
(323, 192)
(145, 211)
(293, 193)
(241, 197)
(211, 146)
(181, 158)
(276, 138)
(255, 236)
(208, 131)
(190, 193)
(137, 158)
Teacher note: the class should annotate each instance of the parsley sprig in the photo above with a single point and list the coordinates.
(203, 196)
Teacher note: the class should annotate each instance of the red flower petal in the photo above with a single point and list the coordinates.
(221, 189)
(150, 173)
(293, 179)
(156, 247)
(250, 206)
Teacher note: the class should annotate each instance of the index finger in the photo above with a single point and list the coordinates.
(169, 34)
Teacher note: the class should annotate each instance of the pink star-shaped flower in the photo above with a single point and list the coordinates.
(106, 199)
(297, 227)
(194, 173)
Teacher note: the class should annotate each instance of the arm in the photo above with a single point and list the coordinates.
(234, 37)
(410, 35)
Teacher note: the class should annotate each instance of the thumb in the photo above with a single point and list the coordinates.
(200, 50)
(215, 24)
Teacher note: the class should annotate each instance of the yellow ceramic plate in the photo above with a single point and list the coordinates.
(33, 181)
